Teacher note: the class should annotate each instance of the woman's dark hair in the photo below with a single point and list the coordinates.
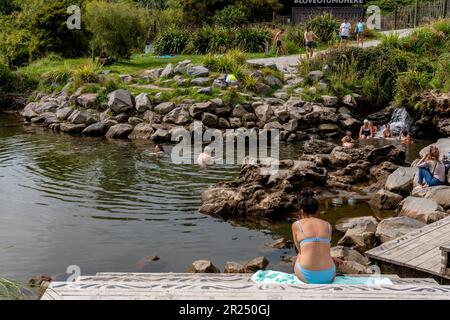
(308, 203)
(161, 147)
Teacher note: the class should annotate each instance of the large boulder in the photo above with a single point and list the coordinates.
(348, 254)
(120, 101)
(315, 75)
(261, 192)
(439, 194)
(179, 116)
(198, 71)
(119, 131)
(82, 117)
(264, 113)
(164, 108)
(401, 181)
(385, 200)
(63, 113)
(197, 109)
(168, 71)
(234, 267)
(442, 144)
(425, 210)
(30, 110)
(329, 101)
(210, 120)
(386, 153)
(142, 131)
(161, 135)
(366, 224)
(341, 157)
(318, 147)
(256, 264)
(72, 128)
(273, 81)
(202, 266)
(359, 233)
(392, 228)
(358, 239)
(88, 100)
(98, 129)
(202, 81)
(143, 103)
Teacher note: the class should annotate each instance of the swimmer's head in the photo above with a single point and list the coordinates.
(366, 122)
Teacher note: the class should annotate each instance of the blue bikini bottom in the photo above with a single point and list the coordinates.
(317, 276)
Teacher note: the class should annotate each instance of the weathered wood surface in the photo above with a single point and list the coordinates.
(419, 250)
(173, 286)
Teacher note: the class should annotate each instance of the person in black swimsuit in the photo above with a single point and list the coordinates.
(366, 131)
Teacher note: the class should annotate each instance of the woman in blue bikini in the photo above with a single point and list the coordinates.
(312, 237)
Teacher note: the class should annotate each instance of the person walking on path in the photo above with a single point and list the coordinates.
(309, 40)
(360, 32)
(279, 42)
(344, 32)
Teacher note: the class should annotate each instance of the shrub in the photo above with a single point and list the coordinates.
(171, 41)
(231, 62)
(252, 39)
(250, 83)
(324, 26)
(6, 76)
(230, 16)
(117, 27)
(86, 73)
(409, 86)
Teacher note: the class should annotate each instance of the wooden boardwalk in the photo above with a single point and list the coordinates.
(419, 250)
(173, 286)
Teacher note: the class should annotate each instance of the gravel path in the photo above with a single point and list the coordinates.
(288, 63)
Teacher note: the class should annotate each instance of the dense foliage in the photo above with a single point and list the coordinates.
(398, 70)
(116, 28)
(212, 40)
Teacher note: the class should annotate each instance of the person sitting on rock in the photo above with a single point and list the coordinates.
(104, 60)
(431, 169)
(312, 238)
(347, 141)
(405, 137)
(366, 132)
(387, 132)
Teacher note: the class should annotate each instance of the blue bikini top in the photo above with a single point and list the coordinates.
(308, 240)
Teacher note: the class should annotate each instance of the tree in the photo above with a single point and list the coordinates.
(116, 27)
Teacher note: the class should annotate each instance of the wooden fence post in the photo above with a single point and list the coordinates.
(416, 9)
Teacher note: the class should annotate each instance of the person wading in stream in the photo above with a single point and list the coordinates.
(312, 238)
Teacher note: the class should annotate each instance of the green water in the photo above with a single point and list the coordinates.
(104, 205)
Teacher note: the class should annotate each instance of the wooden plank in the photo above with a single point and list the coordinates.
(403, 241)
(418, 247)
(262, 292)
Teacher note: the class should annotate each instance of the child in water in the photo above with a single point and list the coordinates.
(348, 141)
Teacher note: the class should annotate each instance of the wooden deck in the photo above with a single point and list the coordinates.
(419, 250)
(173, 286)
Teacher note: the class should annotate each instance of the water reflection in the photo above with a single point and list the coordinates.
(104, 205)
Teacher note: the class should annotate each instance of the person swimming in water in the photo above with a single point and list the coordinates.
(159, 150)
(373, 129)
(405, 137)
(366, 131)
(312, 238)
(348, 141)
(387, 132)
(205, 158)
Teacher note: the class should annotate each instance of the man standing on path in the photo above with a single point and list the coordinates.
(279, 42)
(344, 32)
(360, 32)
(309, 40)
